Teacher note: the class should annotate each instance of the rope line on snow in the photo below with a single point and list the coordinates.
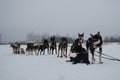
(110, 57)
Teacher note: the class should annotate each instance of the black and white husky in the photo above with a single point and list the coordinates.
(53, 45)
(78, 42)
(62, 47)
(95, 41)
(16, 48)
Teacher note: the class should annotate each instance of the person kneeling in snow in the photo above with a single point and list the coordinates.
(81, 56)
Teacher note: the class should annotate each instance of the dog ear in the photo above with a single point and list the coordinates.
(91, 35)
(83, 34)
(78, 34)
(98, 33)
(51, 38)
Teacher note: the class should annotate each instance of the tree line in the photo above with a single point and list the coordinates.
(31, 36)
(40, 37)
(112, 39)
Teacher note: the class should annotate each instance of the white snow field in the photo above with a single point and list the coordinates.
(49, 67)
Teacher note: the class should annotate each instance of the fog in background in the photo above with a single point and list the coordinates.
(20, 17)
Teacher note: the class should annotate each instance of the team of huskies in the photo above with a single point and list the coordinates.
(82, 56)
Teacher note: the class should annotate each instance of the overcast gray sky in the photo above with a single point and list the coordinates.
(19, 17)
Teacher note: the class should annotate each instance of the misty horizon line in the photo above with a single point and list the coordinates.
(48, 35)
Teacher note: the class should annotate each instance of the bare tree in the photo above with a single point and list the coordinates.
(30, 36)
(0, 38)
(40, 37)
(36, 37)
(112, 39)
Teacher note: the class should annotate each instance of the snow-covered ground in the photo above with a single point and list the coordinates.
(49, 67)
